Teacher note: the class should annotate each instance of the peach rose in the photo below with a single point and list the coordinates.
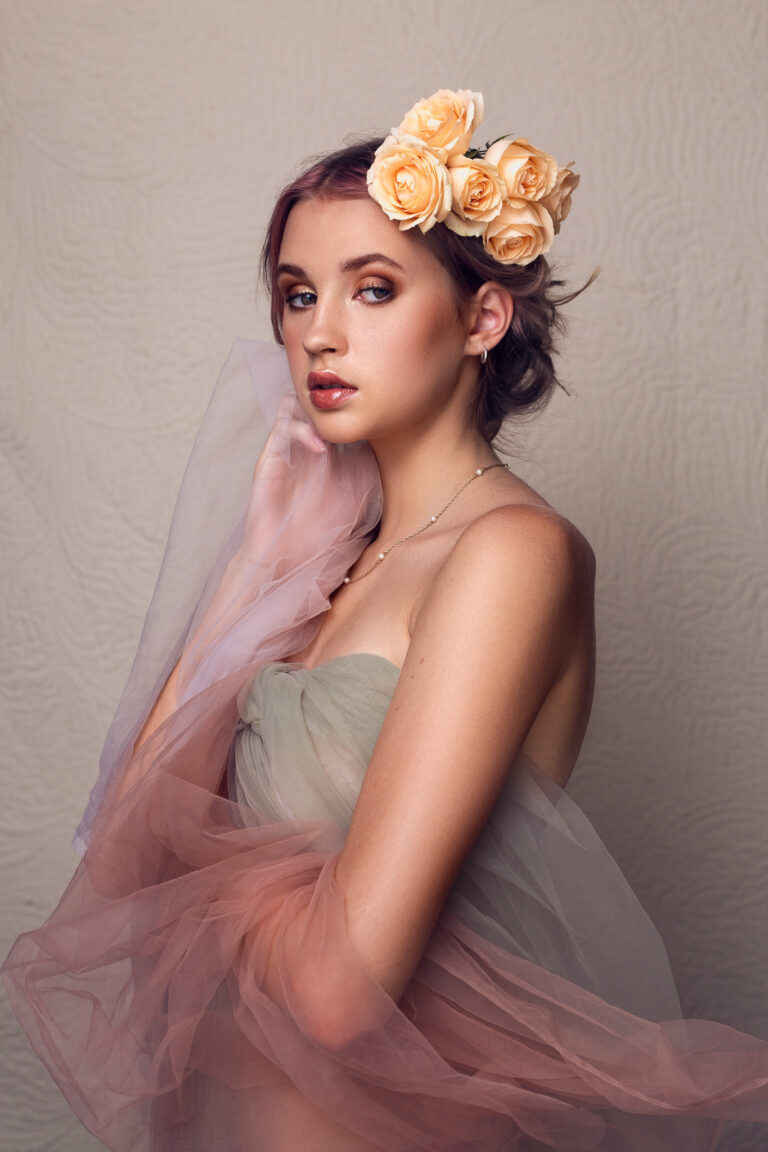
(529, 173)
(478, 193)
(522, 231)
(558, 202)
(410, 183)
(445, 121)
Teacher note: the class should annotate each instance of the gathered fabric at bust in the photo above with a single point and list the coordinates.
(166, 993)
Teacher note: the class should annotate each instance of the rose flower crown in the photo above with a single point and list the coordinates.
(511, 193)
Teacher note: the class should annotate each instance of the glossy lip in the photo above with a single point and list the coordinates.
(324, 399)
(317, 379)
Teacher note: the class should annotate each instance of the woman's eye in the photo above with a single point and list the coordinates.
(379, 291)
(299, 300)
(304, 298)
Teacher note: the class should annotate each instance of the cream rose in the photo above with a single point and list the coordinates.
(558, 202)
(522, 231)
(528, 172)
(478, 193)
(445, 121)
(410, 183)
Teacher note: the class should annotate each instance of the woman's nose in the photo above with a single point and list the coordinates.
(325, 331)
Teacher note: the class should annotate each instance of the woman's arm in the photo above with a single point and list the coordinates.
(274, 477)
(507, 613)
(168, 699)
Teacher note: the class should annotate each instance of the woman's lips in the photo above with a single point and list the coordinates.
(325, 380)
(327, 390)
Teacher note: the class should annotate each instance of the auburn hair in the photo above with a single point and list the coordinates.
(519, 375)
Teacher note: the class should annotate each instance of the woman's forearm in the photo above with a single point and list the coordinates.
(168, 699)
(301, 955)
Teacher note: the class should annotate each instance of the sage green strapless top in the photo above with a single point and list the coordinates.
(309, 736)
(538, 880)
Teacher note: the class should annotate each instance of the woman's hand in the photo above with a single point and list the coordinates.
(275, 477)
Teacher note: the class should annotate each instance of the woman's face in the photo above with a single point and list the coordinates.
(366, 302)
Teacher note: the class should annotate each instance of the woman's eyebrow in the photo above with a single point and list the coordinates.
(358, 262)
(351, 265)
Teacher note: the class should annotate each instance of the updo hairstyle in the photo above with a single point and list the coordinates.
(519, 376)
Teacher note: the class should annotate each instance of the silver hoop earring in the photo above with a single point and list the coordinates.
(483, 355)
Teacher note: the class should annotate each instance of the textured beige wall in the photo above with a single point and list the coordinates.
(142, 145)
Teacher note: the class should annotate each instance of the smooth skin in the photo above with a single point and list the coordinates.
(489, 612)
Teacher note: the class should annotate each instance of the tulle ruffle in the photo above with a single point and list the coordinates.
(196, 987)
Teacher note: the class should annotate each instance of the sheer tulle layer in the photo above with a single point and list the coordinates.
(168, 995)
(538, 881)
(196, 987)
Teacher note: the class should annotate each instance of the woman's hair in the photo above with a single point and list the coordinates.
(519, 375)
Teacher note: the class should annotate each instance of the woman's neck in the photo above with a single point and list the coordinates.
(419, 476)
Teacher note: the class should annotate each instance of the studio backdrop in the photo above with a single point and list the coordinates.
(142, 147)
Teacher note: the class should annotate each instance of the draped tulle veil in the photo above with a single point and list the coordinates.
(197, 987)
(145, 993)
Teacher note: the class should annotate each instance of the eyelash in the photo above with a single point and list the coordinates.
(291, 297)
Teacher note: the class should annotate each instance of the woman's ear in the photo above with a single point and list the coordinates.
(490, 316)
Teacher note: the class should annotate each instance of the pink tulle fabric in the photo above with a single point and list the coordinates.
(196, 988)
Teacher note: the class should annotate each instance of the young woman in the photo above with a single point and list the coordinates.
(334, 896)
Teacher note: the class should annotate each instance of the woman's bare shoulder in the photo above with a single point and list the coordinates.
(518, 524)
(517, 545)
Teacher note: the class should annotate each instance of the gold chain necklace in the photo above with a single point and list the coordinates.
(382, 555)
